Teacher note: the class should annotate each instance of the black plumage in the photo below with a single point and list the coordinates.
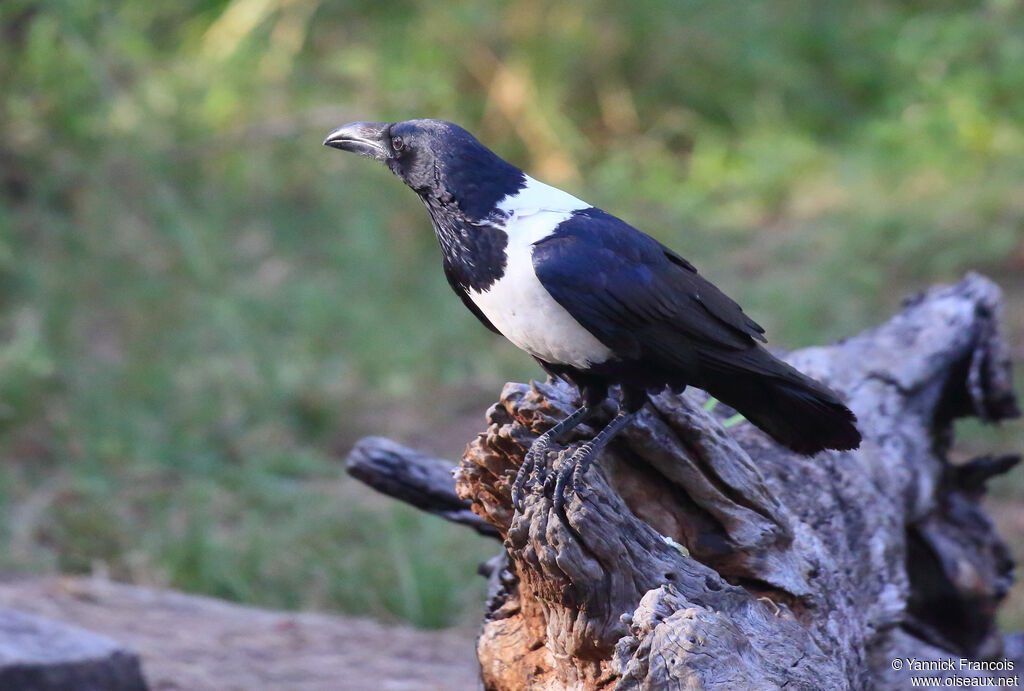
(672, 327)
(590, 297)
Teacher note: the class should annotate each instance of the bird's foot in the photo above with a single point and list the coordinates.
(533, 464)
(567, 475)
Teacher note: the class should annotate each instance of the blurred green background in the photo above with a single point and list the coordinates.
(201, 308)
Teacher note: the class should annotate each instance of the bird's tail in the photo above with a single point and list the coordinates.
(793, 409)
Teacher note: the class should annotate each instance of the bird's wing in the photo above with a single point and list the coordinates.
(637, 296)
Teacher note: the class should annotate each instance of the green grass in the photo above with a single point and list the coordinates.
(201, 308)
(284, 532)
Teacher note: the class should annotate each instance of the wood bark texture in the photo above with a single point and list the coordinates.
(705, 556)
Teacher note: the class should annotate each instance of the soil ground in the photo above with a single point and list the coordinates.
(192, 643)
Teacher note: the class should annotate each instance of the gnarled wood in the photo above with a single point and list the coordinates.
(706, 557)
(415, 478)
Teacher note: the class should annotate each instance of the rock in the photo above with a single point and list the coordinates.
(38, 654)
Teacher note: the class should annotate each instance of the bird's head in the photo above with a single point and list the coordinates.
(437, 159)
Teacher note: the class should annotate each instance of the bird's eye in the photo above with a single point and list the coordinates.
(397, 143)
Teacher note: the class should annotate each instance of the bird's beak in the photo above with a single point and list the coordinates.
(364, 138)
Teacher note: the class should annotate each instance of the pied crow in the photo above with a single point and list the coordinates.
(591, 298)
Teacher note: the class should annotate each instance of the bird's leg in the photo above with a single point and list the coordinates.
(537, 453)
(576, 465)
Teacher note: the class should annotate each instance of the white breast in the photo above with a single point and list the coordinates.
(517, 304)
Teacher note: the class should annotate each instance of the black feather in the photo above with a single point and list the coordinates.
(670, 326)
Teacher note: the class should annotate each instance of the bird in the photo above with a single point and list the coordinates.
(595, 301)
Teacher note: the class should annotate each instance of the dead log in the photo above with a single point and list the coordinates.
(705, 556)
(416, 478)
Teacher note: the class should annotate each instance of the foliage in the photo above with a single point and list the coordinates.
(199, 304)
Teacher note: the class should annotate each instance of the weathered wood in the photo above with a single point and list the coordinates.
(710, 558)
(416, 478)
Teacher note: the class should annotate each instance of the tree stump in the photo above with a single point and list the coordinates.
(706, 556)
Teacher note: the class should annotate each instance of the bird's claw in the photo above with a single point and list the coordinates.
(569, 473)
(533, 464)
(562, 483)
(525, 471)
